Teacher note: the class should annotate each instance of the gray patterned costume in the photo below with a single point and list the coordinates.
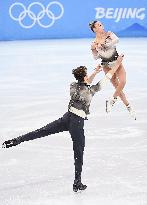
(81, 96)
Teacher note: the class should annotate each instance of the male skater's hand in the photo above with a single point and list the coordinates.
(120, 59)
(98, 69)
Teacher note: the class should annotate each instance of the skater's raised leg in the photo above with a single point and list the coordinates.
(56, 126)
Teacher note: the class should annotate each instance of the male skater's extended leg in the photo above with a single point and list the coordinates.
(77, 134)
(56, 126)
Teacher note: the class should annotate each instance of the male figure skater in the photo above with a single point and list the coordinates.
(73, 120)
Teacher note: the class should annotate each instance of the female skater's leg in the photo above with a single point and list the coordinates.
(122, 96)
(121, 74)
(115, 83)
(119, 81)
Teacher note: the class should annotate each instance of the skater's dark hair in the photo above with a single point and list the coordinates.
(92, 25)
(79, 73)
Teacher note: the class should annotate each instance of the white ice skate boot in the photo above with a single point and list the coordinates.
(131, 111)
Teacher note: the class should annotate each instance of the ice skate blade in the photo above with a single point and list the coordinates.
(107, 109)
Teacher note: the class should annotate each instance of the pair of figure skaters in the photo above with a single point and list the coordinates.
(81, 94)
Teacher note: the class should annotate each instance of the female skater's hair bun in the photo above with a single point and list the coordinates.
(92, 25)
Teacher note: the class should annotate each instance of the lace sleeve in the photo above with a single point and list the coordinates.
(111, 40)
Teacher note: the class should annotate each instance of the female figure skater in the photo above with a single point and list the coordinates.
(104, 48)
(73, 120)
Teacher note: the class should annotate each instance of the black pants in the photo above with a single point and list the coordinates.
(69, 122)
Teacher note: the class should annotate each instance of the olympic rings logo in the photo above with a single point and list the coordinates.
(36, 18)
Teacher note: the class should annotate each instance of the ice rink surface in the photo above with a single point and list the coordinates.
(34, 90)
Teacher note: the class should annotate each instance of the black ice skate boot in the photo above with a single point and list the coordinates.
(10, 143)
(78, 185)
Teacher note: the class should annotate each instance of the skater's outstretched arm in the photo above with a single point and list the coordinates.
(99, 86)
(91, 77)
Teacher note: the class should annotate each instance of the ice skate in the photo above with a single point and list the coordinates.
(131, 111)
(78, 186)
(10, 143)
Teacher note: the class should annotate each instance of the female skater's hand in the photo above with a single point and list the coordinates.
(99, 45)
(93, 46)
(96, 45)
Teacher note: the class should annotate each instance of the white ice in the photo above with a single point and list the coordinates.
(34, 90)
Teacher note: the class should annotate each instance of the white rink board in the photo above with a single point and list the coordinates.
(34, 90)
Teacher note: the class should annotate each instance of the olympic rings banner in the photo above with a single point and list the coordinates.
(43, 19)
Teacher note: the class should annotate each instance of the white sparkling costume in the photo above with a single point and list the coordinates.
(107, 52)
